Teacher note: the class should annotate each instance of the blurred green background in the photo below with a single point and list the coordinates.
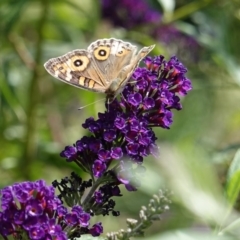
(39, 115)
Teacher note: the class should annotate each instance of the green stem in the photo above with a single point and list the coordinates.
(186, 10)
(94, 187)
(29, 148)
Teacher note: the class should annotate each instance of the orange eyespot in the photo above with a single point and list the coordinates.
(101, 53)
(122, 52)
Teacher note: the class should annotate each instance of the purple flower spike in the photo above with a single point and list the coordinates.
(125, 129)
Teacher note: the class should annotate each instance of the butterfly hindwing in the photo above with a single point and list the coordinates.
(125, 74)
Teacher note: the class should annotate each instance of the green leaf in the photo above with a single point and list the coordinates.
(233, 179)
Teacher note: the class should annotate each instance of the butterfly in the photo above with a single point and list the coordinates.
(106, 66)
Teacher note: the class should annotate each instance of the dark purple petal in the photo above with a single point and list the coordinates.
(71, 219)
(130, 187)
(7, 197)
(132, 149)
(36, 233)
(116, 191)
(6, 228)
(125, 181)
(61, 211)
(120, 123)
(30, 222)
(77, 209)
(19, 217)
(98, 195)
(96, 229)
(55, 230)
(109, 135)
(135, 125)
(84, 219)
(104, 155)
(69, 152)
(131, 137)
(135, 99)
(99, 168)
(116, 153)
(95, 146)
(148, 103)
(91, 125)
(33, 208)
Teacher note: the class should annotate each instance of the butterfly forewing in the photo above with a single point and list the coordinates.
(76, 68)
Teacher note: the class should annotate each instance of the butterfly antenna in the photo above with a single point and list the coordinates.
(91, 104)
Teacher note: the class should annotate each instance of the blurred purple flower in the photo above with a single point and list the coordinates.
(134, 13)
(172, 38)
(129, 14)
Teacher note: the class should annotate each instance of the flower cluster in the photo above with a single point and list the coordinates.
(32, 210)
(125, 130)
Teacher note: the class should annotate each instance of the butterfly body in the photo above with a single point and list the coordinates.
(105, 66)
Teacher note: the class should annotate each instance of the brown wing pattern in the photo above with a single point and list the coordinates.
(121, 80)
(76, 68)
(111, 56)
